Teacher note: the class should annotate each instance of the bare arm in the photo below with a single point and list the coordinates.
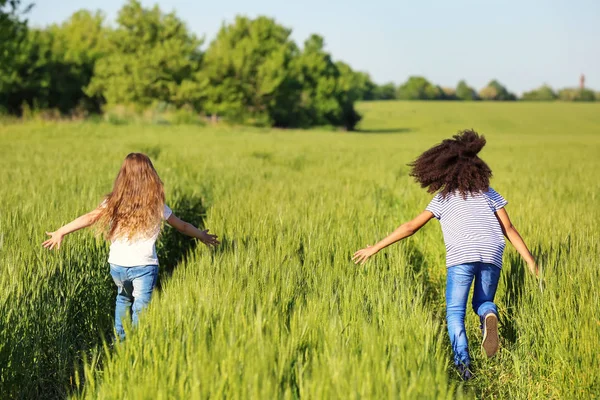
(190, 230)
(516, 240)
(403, 231)
(81, 222)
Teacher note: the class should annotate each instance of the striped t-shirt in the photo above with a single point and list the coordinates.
(471, 230)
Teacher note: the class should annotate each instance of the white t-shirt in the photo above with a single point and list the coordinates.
(138, 252)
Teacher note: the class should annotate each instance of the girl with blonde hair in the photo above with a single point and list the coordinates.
(131, 218)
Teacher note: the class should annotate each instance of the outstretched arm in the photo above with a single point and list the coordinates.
(57, 236)
(403, 231)
(190, 230)
(516, 240)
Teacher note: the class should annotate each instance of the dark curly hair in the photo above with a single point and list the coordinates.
(453, 166)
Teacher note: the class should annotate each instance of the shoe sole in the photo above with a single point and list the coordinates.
(490, 338)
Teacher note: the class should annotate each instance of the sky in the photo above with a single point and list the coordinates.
(521, 43)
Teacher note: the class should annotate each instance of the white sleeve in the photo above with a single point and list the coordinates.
(496, 200)
(167, 212)
(435, 206)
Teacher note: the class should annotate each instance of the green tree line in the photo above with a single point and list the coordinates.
(252, 72)
(419, 88)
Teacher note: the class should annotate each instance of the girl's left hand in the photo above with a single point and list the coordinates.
(208, 239)
(54, 241)
(533, 268)
(363, 255)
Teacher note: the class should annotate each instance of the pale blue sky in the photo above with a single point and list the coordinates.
(522, 43)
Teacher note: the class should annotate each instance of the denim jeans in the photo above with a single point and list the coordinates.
(134, 290)
(458, 285)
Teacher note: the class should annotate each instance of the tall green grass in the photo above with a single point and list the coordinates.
(279, 310)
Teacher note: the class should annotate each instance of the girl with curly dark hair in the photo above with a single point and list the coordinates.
(473, 221)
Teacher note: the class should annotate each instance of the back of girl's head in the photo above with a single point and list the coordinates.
(453, 166)
(135, 205)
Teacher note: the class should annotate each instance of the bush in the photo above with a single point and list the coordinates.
(573, 94)
(419, 88)
(385, 92)
(448, 93)
(120, 114)
(495, 91)
(160, 113)
(185, 115)
(543, 93)
(465, 92)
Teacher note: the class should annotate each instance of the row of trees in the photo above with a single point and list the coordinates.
(251, 72)
(419, 88)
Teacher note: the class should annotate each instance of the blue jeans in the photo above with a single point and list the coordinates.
(134, 290)
(458, 285)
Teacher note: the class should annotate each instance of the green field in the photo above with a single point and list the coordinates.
(279, 310)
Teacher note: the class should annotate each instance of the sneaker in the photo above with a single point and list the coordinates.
(490, 334)
(464, 372)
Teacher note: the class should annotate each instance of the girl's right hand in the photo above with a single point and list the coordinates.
(54, 241)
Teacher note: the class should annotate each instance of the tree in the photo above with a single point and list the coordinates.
(318, 76)
(419, 88)
(385, 92)
(13, 29)
(53, 65)
(447, 93)
(151, 57)
(248, 73)
(367, 86)
(465, 92)
(327, 97)
(572, 94)
(543, 93)
(82, 39)
(13, 35)
(495, 91)
(488, 93)
(360, 83)
(352, 86)
(31, 72)
(77, 44)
